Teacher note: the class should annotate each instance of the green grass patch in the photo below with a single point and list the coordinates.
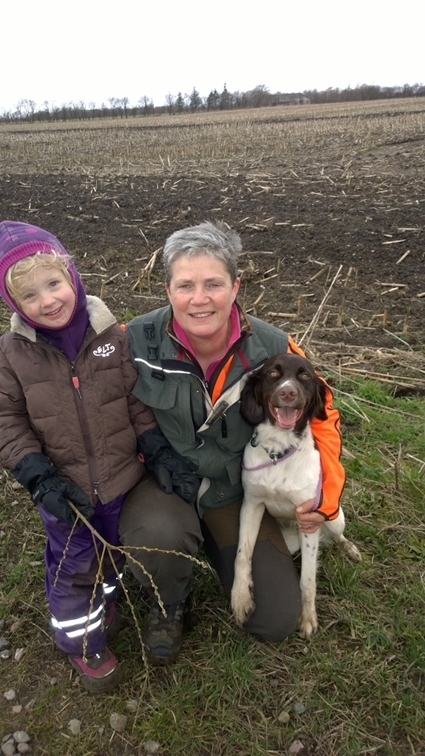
(360, 682)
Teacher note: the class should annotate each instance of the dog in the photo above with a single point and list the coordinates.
(281, 469)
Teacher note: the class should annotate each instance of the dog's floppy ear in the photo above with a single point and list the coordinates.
(318, 404)
(251, 406)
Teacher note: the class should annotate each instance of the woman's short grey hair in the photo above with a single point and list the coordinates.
(212, 239)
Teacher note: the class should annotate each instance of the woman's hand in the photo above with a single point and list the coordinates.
(171, 473)
(308, 521)
(175, 475)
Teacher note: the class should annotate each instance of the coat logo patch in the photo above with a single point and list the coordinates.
(104, 351)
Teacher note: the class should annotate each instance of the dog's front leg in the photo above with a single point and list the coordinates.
(309, 553)
(242, 599)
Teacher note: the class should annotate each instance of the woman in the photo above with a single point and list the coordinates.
(192, 358)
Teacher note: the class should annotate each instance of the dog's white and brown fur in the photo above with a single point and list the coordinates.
(281, 469)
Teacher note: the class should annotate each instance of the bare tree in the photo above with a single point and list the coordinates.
(115, 104)
(147, 105)
(26, 109)
(169, 101)
(259, 96)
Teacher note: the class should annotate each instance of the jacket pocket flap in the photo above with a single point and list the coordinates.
(157, 394)
(233, 467)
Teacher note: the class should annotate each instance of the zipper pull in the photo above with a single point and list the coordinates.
(223, 426)
(76, 384)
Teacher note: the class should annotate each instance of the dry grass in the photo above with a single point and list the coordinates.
(210, 142)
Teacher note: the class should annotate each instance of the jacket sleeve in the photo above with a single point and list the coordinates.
(17, 438)
(327, 434)
(141, 416)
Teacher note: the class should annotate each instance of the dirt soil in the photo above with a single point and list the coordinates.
(299, 232)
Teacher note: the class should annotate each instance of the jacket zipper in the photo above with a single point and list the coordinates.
(76, 382)
(220, 409)
(85, 428)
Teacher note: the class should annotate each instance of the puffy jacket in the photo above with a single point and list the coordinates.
(211, 436)
(81, 415)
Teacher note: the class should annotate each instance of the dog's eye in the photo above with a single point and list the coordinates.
(273, 374)
(304, 376)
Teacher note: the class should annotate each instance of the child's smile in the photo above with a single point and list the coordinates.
(48, 298)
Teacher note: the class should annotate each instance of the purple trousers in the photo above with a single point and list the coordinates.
(77, 608)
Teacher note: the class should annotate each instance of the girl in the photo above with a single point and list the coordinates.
(69, 431)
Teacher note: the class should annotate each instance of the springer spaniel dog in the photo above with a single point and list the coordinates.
(281, 469)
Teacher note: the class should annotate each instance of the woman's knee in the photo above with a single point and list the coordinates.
(154, 519)
(274, 624)
(277, 593)
(167, 534)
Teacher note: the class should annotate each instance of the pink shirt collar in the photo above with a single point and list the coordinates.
(235, 333)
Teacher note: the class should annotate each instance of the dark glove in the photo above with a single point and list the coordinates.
(171, 473)
(42, 480)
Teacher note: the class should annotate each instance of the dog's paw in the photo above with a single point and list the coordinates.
(242, 604)
(308, 624)
(243, 613)
(351, 550)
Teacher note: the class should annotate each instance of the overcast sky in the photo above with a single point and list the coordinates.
(92, 50)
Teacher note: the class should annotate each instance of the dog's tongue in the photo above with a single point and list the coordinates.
(286, 417)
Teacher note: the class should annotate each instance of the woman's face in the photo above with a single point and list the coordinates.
(201, 294)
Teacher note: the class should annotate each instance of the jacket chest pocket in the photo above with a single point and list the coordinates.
(158, 394)
(172, 403)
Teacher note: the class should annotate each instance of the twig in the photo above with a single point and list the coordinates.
(399, 339)
(381, 407)
(108, 549)
(147, 270)
(373, 375)
(316, 275)
(400, 259)
(397, 465)
(358, 412)
(259, 298)
(316, 316)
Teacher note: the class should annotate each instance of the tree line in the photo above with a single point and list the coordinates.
(259, 97)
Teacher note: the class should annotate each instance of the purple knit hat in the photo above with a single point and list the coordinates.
(19, 240)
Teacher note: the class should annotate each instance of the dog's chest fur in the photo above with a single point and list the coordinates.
(292, 480)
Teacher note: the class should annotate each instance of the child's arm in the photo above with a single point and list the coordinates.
(16, 435)
(21, 452)
(141, 416)
(36, 473)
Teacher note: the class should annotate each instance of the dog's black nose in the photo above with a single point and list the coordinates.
(288, 393)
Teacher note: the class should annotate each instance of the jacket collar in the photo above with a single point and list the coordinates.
(100, 318)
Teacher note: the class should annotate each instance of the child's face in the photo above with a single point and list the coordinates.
(47, 298)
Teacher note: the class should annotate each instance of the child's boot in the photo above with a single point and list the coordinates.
(99, 672)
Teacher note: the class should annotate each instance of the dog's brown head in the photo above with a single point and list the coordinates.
(287, 391)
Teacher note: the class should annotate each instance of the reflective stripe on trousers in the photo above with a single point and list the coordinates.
(75, 607)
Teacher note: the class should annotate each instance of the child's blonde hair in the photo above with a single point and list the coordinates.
(20, 270)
